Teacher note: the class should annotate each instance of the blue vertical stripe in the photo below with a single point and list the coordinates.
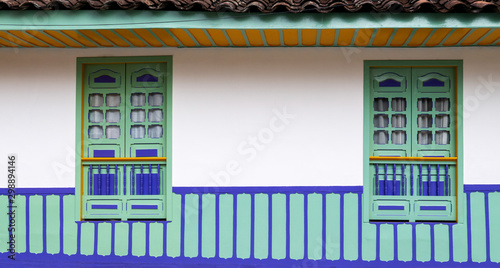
(252, 225)
(235, 223)
(217, 220)
(306, 234)
(146, 252)
(433, 257)
(323, 225)
(414, 241)
(200, 222)
(270, 227)
(129, 252)
(183, 221)
(287, 227)
(44, 219)
(61, 223)
(377, 239)
(342, 224)
(112, 238)
(487, 221)
(469, 244)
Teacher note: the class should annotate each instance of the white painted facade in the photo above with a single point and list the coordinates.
(241, 116)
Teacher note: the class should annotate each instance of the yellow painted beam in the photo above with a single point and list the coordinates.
(96, 38)
(132, 38)
(456, 36)
(363, 37)
(309, 37)
(236, 37)
(201, 37)
(14, 39)
(474, 36)
(345, 37)
(7, 44)
(28, 38)
(401, 36)
(327, 37)
(148, 37)
(419, 37)
(382, 37)
(183, 37)
(291, 37)
(78, 38)
(218, 37)
(62, 38)
(272, 37)
(254, 38)
(437, 37)
(492, 37)
(114, 38)
(165, 37)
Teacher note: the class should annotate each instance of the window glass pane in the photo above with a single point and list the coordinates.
(442, 137)
(381, 104)
(398, 137)
(138, 99)
(424, 104)
(442, 120)
(95, 132)
(381, 120)
(155, 115)
(113, 100)
(398, 104)
(96, 116)
(137, 132)
(96, 100)
(424, 137)
(138, 115)
(155, 99)
(442, 104)
(398, 120)
(381, 137)
(113, 132)
(113, 116)
(155, 132)
(424, 120)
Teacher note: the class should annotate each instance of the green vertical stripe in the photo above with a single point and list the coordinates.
(350, 226)
(104, 238)
(423, 233)
(174, 228)
(243, 214)
(369, 240)
(261, 242)
(20, 223)
(87, 238)
(208, 226)
(70, 228)
(296, 226)
(191, 225)
(494, 213)
(121, 239)
(441, 243)
(156, 239)
(332, 242)
(4, 223)
(138, 239)
(314, 226)
(386, 242)
(278, 248)
(226, 226)
(460, 237)
(478, 227)
(405, 241)
(53, 224)
(36, 224)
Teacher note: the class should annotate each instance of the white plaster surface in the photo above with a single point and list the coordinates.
(223, 97)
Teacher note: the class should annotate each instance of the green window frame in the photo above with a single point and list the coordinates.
(124, 138)
(413, 149)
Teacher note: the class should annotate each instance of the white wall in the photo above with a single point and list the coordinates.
(223, 98)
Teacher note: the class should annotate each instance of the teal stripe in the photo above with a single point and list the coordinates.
(332, 242)
(386, 242)
(369, 240)
(36, 223)
(208, 226)
(423, 233)
(441, 243)
(494, 215)
(121, 239)
(87, 238)
(350, 226)
(314, 226)
(243, 226)
(191, 225)
(70, 228)
(261, 242)
(104, 238)
(4, 223)
(297, 226)
(478, 227)
(53, 224)
(20, 224)
(138, 239)
(405, 241)
(174, 228)
(156, 237)
(226, 226)
(460, 237)
(278, 250)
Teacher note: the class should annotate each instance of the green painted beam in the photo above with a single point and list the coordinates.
(126, 19)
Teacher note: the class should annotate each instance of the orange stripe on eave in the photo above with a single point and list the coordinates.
(327, 37)
(437, 37)
(114, 38)
(236, 37)
(309, 37)
(474, 36)
(419, 37)
(254, 38)
(45, 38)
(345, 37)
(148, 37)
(183, 37)
(28, 38)
(165, 37)
(96, 38)
(381, 37)
(272, 37)
(218, 37)
(363, 37)
(78, 38)
(400, 37)
(14, 39)
(60, 37)
(456, 36)
(492, 37)
(201, 37)
(132, 38)
(291, 37)
(7, 44)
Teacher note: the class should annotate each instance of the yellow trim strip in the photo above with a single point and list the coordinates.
(363, 37)
(183, 37)
(148, 37)
(117, 159)
(327, 37)
(438, 37)
(291, 37)
(7, 44)
(14, 40)
(236, 37)
(28, 38)
(45, 38)
(272, 37)
(474, 36)
(401, 36)
(201, 37)
(129, 36)
(63, 39)
(309, 37)
(218, 37)
(395, 158)
(345, 37)
(78, 38)
(165, 37)
(96, 38)
(382, 37)
(254, 38)
(419, 37)
(456, 36)
(492, 37)
(115, 39)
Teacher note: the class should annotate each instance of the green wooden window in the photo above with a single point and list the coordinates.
(125, 121)
(412, 141)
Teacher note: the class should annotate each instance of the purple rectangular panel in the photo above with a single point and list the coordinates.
(138, 183)
(104, 153)
(432, 207)
(97, 184)
(425, 188)
(154, 184)
(104, 206)
(433, 188)
(441, 188)
(146, 153)
(104, 183)
(144, 206)
(391, 207)
(397, 188)
(390, 187)
(381, 187)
